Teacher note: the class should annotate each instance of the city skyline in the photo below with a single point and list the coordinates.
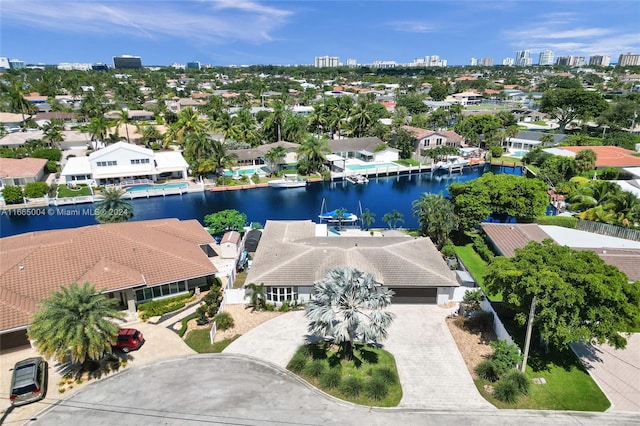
(295, 32)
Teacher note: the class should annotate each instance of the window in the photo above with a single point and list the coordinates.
(439, 141)
(426, 142)
(140, 161)
(280, 294)
(106, 163)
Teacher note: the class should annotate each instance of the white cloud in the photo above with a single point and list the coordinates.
(189, 20)
(413, 26)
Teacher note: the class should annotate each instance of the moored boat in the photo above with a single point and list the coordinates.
(288, 181)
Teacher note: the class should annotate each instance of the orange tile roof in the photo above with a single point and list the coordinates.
(609, 156)
(110, 256)
(21, 167)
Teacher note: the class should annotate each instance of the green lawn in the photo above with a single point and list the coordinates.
(65, 192)
(476, 266)
(368, 364)
(199, 341)
(568, 386)
(539, 123)
(409, 162)
(507, 161)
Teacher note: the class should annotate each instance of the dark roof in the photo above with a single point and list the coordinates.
(354, 144)
(535, 136)
(252, 240)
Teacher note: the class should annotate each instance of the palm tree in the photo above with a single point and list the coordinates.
(221, 156)
(392, 218)
(225, 125)
(123, 119)
(257, 296)
(113, 208)
(367, 217)
(314, 152)
(436, 217)
(547, 139)
(19, 104)
(585, 160)
(188, 122)
(274, 155)
(150, 134)
(596, 193)
(197, 146)
(273, 124)
(340, 215)
(348, 306)
(361, 120)
(77, 322)
(53, 132)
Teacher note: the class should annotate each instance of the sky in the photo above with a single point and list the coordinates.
(239, 32)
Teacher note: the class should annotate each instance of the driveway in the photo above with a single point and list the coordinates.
(432, 371)
(617, 372)
(160, 343)
(233, 390)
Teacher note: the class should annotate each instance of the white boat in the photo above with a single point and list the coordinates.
(451, 163)
(357, 179)
(288, 181)
(334, 217)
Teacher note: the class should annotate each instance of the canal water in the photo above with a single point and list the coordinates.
(380, 196)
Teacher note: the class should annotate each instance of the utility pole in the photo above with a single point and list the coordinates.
(527, 339)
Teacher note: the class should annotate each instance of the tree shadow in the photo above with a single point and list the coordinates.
(367, 355)
(94, 369)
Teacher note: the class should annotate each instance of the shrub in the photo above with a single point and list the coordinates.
(496, 151)
(330, 379)
(297, 363)
(163, 306)
(521, 380)
(448, 250)
(473, 297)
(285, 307)
(224, 321)
(480, 320)
(201, 313)
(326, 175)
(255, 178)
(185, 323)
(270, 307)
(506, 391)
(564, 221)
(481, 247)
(12, 194)
(376, 388)
(52, 154)
(314, 368)
(487, 370)
(505, 356)
(51, 166)
(352, 386)
(36, 189)
(386, 374)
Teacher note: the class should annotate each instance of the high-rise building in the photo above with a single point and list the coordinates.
(600, 60)
(127, 62)
(384, 64)
(100, 67)
(16, 64)
(195, 65)
(546, 57)
(508, 62)
(629, 60)
(473, 62)
(486, 62)
(4, 64)
(327, 61)
(523, 58)
(352, 63)
(73, 66)
(572, 61)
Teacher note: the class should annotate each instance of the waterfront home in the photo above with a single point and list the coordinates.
(424, 139)
(130, 262)
(293, 255)
(21, 171)
(257, 156)
(124, 161)
(371, 150)
(527, 140)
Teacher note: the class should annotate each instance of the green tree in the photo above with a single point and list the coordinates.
(53, 132)
(436, 217)
(578, 297)
(75, 322)
(188, 122)
(113, 207)
(566, 105)
(225, 220)
(348, 306)
(36, 189)
(368, 218)
(123, 120)
(313, 151)
(274, 155)
(404, 141)
(585, 160)
(257, 297)
(197, 146)
(392, 218)
(221, 156)
(439, 92)
(98, 128)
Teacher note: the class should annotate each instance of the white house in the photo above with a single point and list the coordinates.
(124, 161)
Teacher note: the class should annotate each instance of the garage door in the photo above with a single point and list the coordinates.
(415, 295)
(13, 340)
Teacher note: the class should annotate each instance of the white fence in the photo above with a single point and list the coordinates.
(72, 200)
(214, 327)
(498, 327)
(235, 296)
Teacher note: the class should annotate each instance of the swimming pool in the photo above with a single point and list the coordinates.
(163, 186)
(371, 166)
(248, 172)
(517, 154)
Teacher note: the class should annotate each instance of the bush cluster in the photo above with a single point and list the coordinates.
(163, 306)
(481, 247)
(185, 323)
(224, 321)
(500, 368)
(564, 221)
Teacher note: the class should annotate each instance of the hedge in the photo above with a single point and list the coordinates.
(163, 306)
(185, 323)
(564, 221)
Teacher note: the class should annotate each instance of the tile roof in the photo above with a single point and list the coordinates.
(508, 237)
(354, 144)
(420, 133)
(111, 256)
(21, 167)
(609, 156)
(289, 254)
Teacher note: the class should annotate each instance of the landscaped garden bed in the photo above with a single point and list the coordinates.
(369, 378)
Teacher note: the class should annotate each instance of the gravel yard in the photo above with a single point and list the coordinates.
(474, 345)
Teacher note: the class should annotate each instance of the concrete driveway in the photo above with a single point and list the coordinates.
(431, 369)
(160, 343)
(233, 390)
(617, 372)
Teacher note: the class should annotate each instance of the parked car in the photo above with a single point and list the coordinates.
(129, 339)
(29, 381)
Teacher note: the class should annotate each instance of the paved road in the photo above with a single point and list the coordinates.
(233, 390)
(617, 372)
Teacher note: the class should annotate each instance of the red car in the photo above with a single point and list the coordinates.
(129, 339)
